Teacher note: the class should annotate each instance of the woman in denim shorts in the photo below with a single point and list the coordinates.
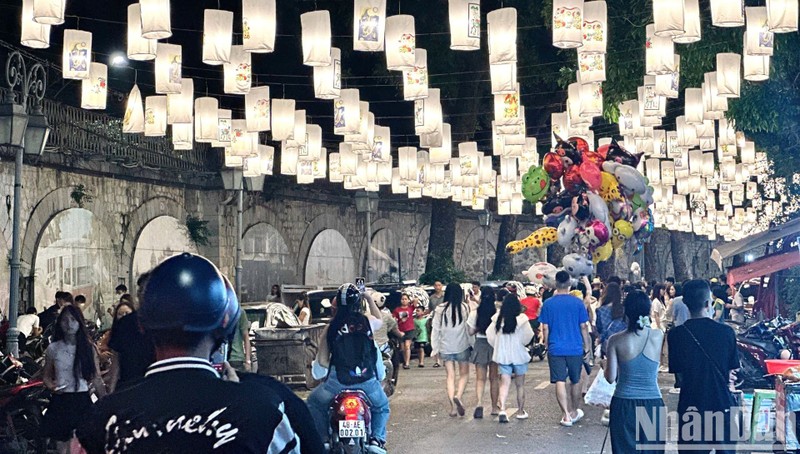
(450, 340)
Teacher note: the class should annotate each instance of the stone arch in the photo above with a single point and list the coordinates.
(420, 254)
(334, 260)
(160, 238)
(378, 226)
(135, 222)
(257, 214)
(266, 261)
(315, 227)
(471, 260)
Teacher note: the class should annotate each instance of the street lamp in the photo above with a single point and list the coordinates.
(485, 219)
(367, 202)
(25, 134)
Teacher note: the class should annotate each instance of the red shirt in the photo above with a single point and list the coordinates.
(532, 306)
(404, 317)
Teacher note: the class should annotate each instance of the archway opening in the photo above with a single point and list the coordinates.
(330, 260)
(384, 264)
(265, 261)
(162, 237)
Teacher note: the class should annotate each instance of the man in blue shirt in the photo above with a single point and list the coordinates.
(565, 331)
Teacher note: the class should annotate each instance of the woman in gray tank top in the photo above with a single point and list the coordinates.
(638, 415)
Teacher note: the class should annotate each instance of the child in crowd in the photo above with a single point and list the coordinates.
(421, 338)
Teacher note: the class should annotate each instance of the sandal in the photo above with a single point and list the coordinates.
(459, 406)
(437, 365)
(421, 365)
(406, 366)
(478, 413)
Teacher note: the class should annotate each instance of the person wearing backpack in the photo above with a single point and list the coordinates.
(348, 358)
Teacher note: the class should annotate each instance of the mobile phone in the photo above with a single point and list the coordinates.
(360, 284)
(219, 356)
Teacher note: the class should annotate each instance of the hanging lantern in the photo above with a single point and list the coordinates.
(168, 68)
(415, 80)
(348, 159)
(782, 15)
(407, 162)
(155, 19)
(238, 72)
(335, 175)
(727, 13)
(756, 67)
(381, 144)
(251, 166)
(320, 166)
(138, 48)
(504, 78)
(468, 158)
(206, 122)
(257, 104)
(693, 108)
(400, 42)
(667, 85)
(559, 126)
(155, 116)
(507, 109)
(231, 160)
(574, 106)
(224, 122)
(217, 36)
(653, 167)
(34, 34)
(362, 139)
(77, 54)
(465, 24)
(49, 12)
(595, 27)
(282, 119)
(749, 153)
(442, 155)
(369, 24)
(182, 136)
(298, 136)
(243, 143)
(94, 90)
(346, 112)
(316, 29)
(759, 40)
(328, 79)
(502, 32)
(288, 160)
(695, 162)
(258, 25)
(267, 154)
(667, 172)
(312, 149)
(428, 113)
(659, 53)
(714, 106)
(691, 23)
(133, 121)
(398, 186)
(687, 134)
(567, 23)
(629, 117)
(729, 74)
(668, 17)
(179, 106)
(706, 131)
(592, 67)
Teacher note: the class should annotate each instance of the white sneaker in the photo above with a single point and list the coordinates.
(674, 390)
(522, 415)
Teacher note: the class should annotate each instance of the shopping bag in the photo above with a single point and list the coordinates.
(601, 391)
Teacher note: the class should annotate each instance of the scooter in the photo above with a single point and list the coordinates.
(536, 348)
(762, 341)
(350, 423)
(23, 399)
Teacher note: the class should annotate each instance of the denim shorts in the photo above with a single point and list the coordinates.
(513, 369)
(462, 357)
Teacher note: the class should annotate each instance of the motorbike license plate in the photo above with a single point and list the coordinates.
(352, 429)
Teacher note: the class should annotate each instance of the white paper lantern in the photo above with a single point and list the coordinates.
(691, 23)
(238, 72)
(714, 106)
(320, 166)
(629, 117)
(298, 136)
(316, 29)
(507, 109)
(749, 153)
(133, 120)
(756, 67)
(727, 13)
(468, 158)
(568, 23)
(592, 67)
(206, 124)
(706, 131)
(431, 140)
(348, 159)
(155, 19)
(407, 162)
(257, 109)
(502, 32)
(465, 24)
(179, 105)
(667, 85)
(252, 166)
(759, 40)
(182, 136)
(687, 134)
(667, 172)
(782, 15)
(442, 155)
(595, 27)
(693, 108)
(267, 154)
(381, 145)
(729, 74)
(168, 72)
(328, 79)
(415, 80)
(400, 42)
(659, 53)
(49, 12)
(138, 48)
(217, 36)
(289, 160)
(224, 129)
(155, 116)
(362, 139)
(282, 119)
(559, 126)
(334, 176)
(347, 112)
(312, 149)
(504, 78)
(258, 25)
(34, 34)
(428, 113)
(591, 99)
(574, 106)
(668, 17)
(76, 54)
(243, 143)
(369, 25)
(94, 90)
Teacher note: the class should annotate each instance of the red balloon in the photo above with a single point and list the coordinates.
(590, 174)
(603, 150)
(593, 157)
(580, 144)
(553, 165)
(573, 182)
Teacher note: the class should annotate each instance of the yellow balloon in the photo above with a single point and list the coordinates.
(609, 187)
(622, 232)
(602, 253)
(540, 238)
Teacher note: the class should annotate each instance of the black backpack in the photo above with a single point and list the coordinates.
(353, 351)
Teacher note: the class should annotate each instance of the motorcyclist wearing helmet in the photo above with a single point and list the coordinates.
(350, 359)
(189, 309)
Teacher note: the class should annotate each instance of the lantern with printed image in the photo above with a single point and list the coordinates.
(258, 25)
(76, 55)
(94, 90)
(567, 24)
(369, 25)
(400, 42)
(465, 24)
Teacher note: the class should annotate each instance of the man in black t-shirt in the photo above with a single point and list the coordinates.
(135, 352)
(704, 352)
(49, 315)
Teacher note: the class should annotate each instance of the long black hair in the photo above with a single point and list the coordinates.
(486, 309)
(509, 312)
(83, 367)
(637, 304)
(453, 299)
(613, 295)
(343, 314)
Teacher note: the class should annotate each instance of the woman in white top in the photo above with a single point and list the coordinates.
(450, 340)
(659, 309)
(479, 321)
(305, 309)
(509, 334)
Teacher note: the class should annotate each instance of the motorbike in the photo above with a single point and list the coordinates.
(350, 422)
(23, 400)
(536, 348)
(762, 341)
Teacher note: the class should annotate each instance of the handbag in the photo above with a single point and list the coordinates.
(601, 391)
(735, 396)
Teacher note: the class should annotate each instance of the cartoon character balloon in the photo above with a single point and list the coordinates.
(542, 273)
(602, 253)
(553, 165)
(543, 237)
(623, 231)
(609, 188)
(535, 184)
(577, 265)
(567, 230)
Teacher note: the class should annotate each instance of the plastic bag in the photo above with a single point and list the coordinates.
(601, 391)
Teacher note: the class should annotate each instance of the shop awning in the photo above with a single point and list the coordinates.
(763, 266)
(726, 250)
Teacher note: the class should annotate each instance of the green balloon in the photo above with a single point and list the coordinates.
(535, 184)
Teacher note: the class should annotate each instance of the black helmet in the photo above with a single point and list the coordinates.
(187, 292)
(348, 297)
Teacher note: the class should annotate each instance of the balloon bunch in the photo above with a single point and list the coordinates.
(595, 200)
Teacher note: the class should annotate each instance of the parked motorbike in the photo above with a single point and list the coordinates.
(762, 341)
(350, 423)
(23, 399)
